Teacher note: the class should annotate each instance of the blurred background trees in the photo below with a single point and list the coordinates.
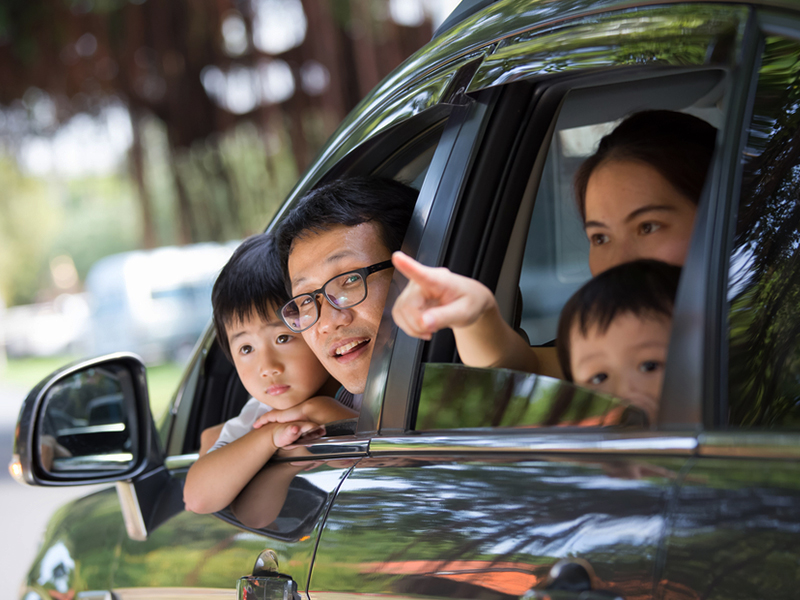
(140, 123)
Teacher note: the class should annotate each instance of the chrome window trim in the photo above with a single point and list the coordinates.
(345, 446)
(519, 441)
(750, 444)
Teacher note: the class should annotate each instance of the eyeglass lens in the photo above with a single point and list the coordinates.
(343, 291)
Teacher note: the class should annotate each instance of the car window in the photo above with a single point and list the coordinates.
(402, 154)
(764, 270)
(551, 256)
(555, 263)
(455, 397)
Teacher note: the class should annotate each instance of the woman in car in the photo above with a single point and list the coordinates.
(638, 197)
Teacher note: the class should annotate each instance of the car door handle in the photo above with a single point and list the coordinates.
(272, 587)
(570, 579)
(266, 583)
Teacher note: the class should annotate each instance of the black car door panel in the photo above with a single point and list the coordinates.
(443, 516)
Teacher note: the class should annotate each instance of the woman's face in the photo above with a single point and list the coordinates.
(632, 212)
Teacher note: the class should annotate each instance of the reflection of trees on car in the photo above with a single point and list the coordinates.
(469, 511)
(455, 396)
(765, 274)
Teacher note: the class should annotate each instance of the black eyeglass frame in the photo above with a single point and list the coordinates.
(364, 272)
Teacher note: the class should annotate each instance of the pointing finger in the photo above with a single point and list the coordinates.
(416, 271)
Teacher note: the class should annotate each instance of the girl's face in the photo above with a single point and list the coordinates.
(275, 364)
(632, 212)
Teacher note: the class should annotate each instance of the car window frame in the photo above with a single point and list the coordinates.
(765, 22)
(698, 344)
(184, 418)
(704, 241)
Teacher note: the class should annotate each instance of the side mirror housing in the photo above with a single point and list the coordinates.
(86, 423)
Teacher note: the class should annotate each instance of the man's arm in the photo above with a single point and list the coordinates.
(436, 298)
(217, 478)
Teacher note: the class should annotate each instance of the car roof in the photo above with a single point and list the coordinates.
(465, 9)
(473, 26)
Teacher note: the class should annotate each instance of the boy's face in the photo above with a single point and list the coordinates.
(275, 365)
(627, 360)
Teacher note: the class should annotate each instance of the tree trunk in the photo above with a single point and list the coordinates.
(149, 238)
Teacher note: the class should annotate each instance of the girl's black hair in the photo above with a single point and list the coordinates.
(251, 283)
(642, 288)
(677, 145)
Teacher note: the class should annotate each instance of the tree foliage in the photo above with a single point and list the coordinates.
(216, 171)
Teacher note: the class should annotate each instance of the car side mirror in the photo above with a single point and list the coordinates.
(88, 422)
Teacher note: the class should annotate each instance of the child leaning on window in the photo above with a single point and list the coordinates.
(275, 366)
(613, 333)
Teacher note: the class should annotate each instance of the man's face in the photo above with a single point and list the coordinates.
(343, 340)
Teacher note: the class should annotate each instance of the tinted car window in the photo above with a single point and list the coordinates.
(764, 281)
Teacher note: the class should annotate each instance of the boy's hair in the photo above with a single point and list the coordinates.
(251, 283)
(351, 202)
(644, 288)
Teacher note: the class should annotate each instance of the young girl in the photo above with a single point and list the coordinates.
(291, 391)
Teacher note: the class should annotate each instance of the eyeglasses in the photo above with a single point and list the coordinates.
(343, 291)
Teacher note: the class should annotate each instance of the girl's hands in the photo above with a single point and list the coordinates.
(287, 415)
(285, 434)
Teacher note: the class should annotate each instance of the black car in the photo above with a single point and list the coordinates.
(479, 483)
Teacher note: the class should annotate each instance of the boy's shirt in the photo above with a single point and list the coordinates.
(239, 425)
(349, 399)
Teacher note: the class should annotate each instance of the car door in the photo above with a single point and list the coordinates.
(466, 493)
(287, 502)
(150, 545)
(734, 529)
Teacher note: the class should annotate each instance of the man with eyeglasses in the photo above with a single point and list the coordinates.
(337, 244)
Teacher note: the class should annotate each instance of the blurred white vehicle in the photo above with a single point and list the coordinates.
(153, 302)
(46, 328)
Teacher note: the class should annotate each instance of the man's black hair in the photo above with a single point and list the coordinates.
(251, 283)
(644, 288)
(352, 201)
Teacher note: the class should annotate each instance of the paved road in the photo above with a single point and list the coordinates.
(24, 510)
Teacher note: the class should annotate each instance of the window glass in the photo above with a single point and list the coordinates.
(553, 254)
(556, 260)
(470, 397)
(555, 263)
(764, 276)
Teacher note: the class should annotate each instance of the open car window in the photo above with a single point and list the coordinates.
(403, 154)
(545, 258)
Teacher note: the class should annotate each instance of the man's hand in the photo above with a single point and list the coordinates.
(436, 298)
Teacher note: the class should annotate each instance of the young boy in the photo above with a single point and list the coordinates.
(290, 389)
(613, 333)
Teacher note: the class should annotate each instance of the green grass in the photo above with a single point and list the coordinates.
(162, 380)
(27, 372)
